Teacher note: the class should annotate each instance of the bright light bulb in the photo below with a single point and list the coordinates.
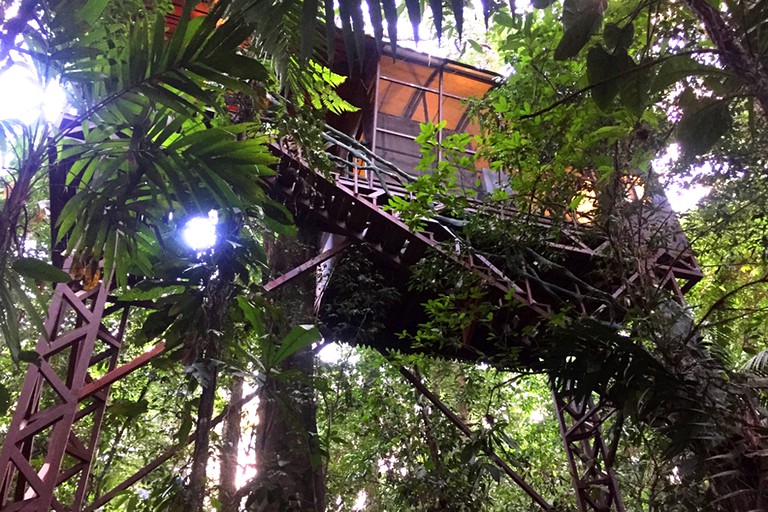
(199, 233)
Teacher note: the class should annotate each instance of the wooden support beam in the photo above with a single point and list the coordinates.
(120, 372)
(459, 423)
(307, 265)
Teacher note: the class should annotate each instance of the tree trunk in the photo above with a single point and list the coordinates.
(289, 463)
(434, 449)
(16, 199)
(229, 449)
(732, 449)
(706, 410)
(218, 291)
(733, 53)
(197, 477)
(288, 456)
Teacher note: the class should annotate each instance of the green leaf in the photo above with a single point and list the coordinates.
(239, 66)
(353, 30)
(635, 83)
(679, 67)
(374, 9)
(616, 37)
(127, 408)
(501, 105)
(414, 15)
(91, 11)
(151, 293)
(309, 10)
(457, 6)
(610, 133)
(347, 32)
(487, 11)
(301, 336)
(581, 19)
(437, 16)
(475, 45)
(9, 322)
(702, 126)
(278, 217)
(186, 425)
(390, 13)
(250, 312)
(601, 75)
(494, 472)
(40, 271)
(38, 323)
(156, 323)
(576, 201)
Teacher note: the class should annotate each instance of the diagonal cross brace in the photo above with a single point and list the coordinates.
(307, 265)
(461, 425)
(589, 456)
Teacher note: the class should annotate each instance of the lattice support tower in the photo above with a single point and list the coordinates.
(590, 457)
(55, 428)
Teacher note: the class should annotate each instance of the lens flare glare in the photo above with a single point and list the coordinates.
(199, 233)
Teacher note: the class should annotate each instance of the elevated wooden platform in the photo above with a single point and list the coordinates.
(353, 207)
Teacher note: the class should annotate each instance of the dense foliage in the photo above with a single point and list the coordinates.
(596, 92)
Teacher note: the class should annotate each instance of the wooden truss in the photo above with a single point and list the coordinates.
(62, 403)
(590, 457)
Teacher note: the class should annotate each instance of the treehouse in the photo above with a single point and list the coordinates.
(376, 153)
(402, 89)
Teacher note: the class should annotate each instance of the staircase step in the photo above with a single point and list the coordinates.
(339, 209)
(414, 251)
(358, 218)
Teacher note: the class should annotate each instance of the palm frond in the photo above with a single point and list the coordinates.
(155, 164)
(201, 59)
(757, 364)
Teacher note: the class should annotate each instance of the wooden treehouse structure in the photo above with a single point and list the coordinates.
(54, 435)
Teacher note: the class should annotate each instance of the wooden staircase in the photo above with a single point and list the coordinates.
(354, 206)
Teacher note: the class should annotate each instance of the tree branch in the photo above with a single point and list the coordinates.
(645, 65)
(719, 302)
(732, 53)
